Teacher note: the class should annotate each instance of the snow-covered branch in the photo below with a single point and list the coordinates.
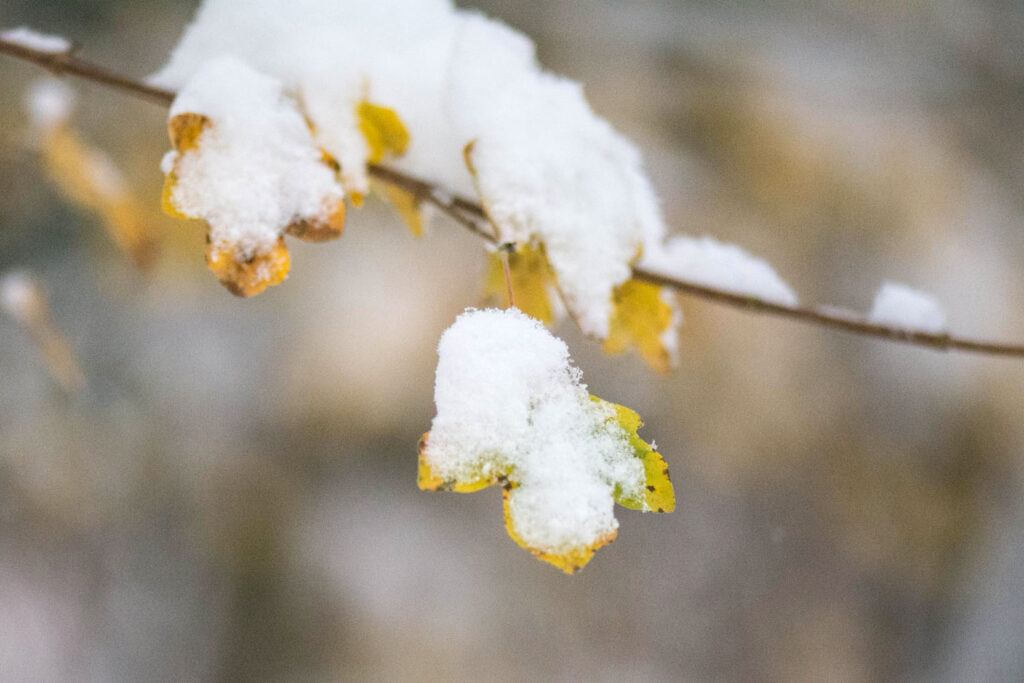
(470, 214)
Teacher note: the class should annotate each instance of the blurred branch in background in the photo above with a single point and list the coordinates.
(23, 298)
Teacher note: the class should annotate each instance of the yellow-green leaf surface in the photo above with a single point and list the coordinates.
(658, 494)
(640, 318)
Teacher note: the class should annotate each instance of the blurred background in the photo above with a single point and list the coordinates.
(232, 494)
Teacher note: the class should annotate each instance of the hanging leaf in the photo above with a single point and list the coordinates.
(511, 410)
(533, 282)
(641, 317)
(408, 208)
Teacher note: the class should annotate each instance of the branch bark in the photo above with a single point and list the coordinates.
(470, 215)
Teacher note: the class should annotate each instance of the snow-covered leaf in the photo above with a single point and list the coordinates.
(512, 409)
(245, 162)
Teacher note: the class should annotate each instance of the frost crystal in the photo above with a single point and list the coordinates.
(509, 400)
(897, 305)
(708, 262)
(546, 167)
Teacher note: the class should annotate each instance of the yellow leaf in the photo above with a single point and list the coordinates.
(383, 129)
(320, 230)
(409, 208)
(533, 281)
(427, 480)
(167, 197)
(658, 495)
(184, 130)
(570, 561)
(641, 318)
(251, 276)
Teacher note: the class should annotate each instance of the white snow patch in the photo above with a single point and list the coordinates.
(33, 40)
(509, 398)
(19, 294)
(49, 103)
(547, 167)
(257, 168)
(897, 305)
(708, 262)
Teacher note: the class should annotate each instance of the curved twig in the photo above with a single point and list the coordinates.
(470, 215)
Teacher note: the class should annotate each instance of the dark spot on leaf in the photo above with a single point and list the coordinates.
(651, 489)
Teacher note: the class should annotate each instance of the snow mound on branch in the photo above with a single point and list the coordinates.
(509, 399)
(256, 168)
(897, 305)
(546, 167)
(33, 40)
(706, 261)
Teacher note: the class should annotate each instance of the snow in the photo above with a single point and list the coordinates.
(547, 167)
(708, 262)
(40, 42)
(897, 305)
(509, 400)
(49, 103)
(256, 169)
(19, 295)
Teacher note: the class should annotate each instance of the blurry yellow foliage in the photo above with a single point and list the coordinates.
(89, 178)
(408, 208)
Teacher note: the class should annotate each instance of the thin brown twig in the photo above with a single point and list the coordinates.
(61, 63)
(507, 270)
(471, 215)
